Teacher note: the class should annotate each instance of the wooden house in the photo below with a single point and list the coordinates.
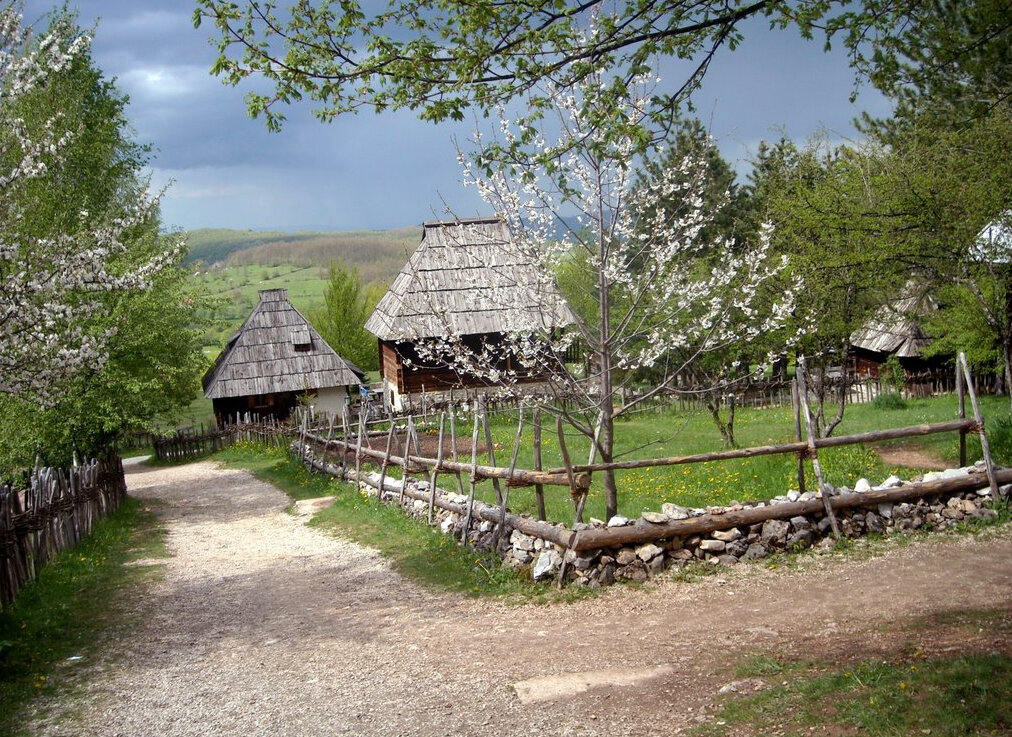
(895, 330)
(275, 358)
(466, 281)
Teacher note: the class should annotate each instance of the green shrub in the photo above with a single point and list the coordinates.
(999, 438)
(889, 401)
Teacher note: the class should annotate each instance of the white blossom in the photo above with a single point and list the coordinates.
(50, 284)
(644, 245)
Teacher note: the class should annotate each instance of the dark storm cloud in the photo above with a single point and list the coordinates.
(390, 170)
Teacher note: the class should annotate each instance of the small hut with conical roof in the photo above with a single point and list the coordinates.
(466, 281)
(275, 358)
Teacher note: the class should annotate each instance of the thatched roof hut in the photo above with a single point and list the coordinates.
(274, 358)
(467, 279)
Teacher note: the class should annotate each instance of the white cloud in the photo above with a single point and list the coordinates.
(159, 83)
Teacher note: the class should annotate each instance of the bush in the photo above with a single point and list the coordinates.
(889, 401)
(999, 438)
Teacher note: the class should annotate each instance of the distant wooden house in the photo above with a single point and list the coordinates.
(275, 358)
(895, 330)
(467, 281)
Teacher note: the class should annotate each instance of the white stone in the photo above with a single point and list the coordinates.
(657, 518)
(793, 495)
(891, 482)
(546, 564)
(618, 521)
(447, 525)
(648, 552)
(862, 486)
(674, 511)
(727, 535)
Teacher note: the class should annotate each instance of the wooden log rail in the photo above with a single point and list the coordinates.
(516, 476)
(643, 531)
(800, 447)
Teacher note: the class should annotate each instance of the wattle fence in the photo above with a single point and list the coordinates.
(57, 510)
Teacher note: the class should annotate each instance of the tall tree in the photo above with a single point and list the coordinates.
(718, 376)
(823, 202)
(341, 320)
(95, 316)
(64, 245)
(663, 294)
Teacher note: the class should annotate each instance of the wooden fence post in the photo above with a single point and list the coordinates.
(513, 465)
(796, 402)
(490, 447)
(961, 394)
(978, 417)
(386, 460)
(435, 469)
(824, 488)
(564, 451)
(539, 489)
(474, 479)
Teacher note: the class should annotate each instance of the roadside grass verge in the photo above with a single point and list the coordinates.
(420, 552)
(75, 605)
(961, 695)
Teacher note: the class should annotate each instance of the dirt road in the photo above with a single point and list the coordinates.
(263, 626)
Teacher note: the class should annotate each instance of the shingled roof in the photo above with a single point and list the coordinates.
(276, 350)
(896, 327)
(467, 277)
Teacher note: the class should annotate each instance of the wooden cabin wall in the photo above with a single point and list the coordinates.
(416, 377)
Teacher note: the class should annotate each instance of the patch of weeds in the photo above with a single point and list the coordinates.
(695, 570)
(969, 695)
(999, 439)
(889, 401)
(761, 664)
(76, 604)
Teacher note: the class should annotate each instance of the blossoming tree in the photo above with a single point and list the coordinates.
(53, 274)
(657, 289)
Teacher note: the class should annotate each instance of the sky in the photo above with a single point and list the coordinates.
(222, 169)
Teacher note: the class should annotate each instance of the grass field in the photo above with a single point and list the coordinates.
(910, 693)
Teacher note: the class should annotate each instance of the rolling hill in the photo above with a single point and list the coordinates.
(233, 265)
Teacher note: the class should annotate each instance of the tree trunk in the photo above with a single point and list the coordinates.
(1007, 338)
(726, 428)
(606, 402)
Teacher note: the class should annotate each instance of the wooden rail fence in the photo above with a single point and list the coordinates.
(58, 510)
(188, 444)
(349, 445)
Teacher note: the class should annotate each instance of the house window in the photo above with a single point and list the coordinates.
(300, 339)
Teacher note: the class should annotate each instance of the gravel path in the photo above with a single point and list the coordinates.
(263, 626)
